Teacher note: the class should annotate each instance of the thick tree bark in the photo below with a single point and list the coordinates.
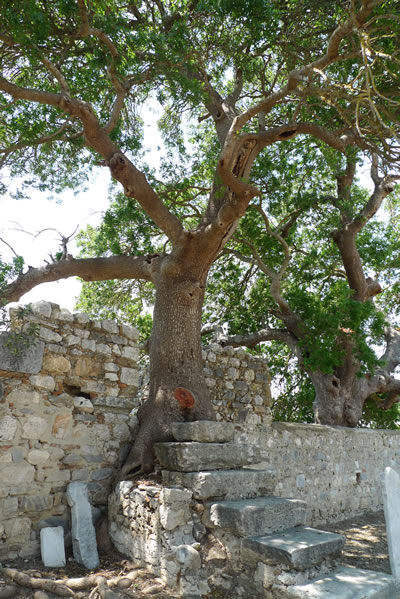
(178, 391)
(337, 404)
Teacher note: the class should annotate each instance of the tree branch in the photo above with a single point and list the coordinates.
(345, 237)
(134, 181)
(253, 339)
(89, 269)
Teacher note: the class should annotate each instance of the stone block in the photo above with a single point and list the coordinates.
(60, 425)
(131, 353)
(129, 332)
(129, 376)
(18, 530)
(34, 427)
(62, 314)
(345, 582)
(229, 484)
(261, 515)
(83, 532)
(52, 547)
(16, 474)
(299, 548)
(8, 508)
(193, 457)
(87, 367)
(102, 348)
(49, 336)
(43, 382)
(391, 501)
(110, 326)
(55, 475)
(36, 503)
(8, 428)
(187, 557)
(82, 404)
(203, 431)
(23, 399)
(41, 308)
(29, 361)
(56, 364)
(37, 457)
(17, 454)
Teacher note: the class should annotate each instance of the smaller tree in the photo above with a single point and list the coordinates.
(309, 284)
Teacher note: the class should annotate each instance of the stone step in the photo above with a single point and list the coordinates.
(299, 548)
(345, 582)
(194, 456)
(223, 484)
(261, 515)
(203, 431)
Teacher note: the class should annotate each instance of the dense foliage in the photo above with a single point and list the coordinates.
(270, 110)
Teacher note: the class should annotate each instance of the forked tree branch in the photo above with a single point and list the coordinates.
(345, 237)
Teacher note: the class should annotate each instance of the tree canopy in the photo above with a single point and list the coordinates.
(270, 107)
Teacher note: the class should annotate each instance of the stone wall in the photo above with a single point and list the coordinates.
(157, 528)
(67, 413)
(338, 471)
(239, 385)
(64, 416)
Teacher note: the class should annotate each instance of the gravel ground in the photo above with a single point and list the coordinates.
(366, 547)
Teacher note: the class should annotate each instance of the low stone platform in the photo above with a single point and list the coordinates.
(344, 583)
(299, 548)
(214, 528)
(263, 515)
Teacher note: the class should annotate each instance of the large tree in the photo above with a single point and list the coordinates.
(74, 75)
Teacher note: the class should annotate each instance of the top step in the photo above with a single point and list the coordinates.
(203, 431)
(194, 456)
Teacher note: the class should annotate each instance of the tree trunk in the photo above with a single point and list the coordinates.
(178, 391)
(337, 403)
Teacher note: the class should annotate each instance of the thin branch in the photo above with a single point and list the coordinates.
(35, 142)
(10, 246)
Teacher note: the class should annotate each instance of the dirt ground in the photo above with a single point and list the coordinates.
(366, 547)
(366, 541)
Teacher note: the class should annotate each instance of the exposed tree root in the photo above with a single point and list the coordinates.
(52, 586)
(68, 587)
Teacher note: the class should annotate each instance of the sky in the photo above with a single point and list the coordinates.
(23, 223)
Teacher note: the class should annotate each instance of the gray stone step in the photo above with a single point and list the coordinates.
(300, 548)
(194, 457)
(261, 515)
(203, 431)
(345, 582)
(223, 484)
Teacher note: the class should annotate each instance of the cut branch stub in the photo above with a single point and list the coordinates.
(185, 398)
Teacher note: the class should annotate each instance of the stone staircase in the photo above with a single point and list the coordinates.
(270, 551)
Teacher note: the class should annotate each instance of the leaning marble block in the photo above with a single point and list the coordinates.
(84, 545)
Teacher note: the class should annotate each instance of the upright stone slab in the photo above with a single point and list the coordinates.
(391, 503)
(52, 547)
(83, 533)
